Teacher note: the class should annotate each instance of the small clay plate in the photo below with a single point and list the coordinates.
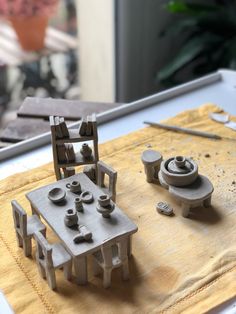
(56, 195)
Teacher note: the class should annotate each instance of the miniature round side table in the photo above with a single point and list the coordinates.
(196, 194)
(152, 161)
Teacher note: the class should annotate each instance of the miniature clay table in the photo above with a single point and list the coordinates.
(103, 229)
(196, 194)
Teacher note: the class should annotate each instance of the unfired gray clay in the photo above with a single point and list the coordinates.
(105, 206)
(113, 254)
(86, 151)
(74, 187)
(104, 169)
(71, 218)
(56, 195)
(63, 153)
(25, 227)
(219, 117)
(83, 235)
(179, 171)
(165, 209)
(118, 227)
(196, 194)
(86, 197)
(180, 176)
(50, 257)
(68, 172)
(231, 125)
(90, 172)
(79, 204)
(152, 161)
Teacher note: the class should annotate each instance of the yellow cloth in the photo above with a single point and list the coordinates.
(178, 266)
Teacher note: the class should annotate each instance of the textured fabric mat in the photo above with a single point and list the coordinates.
(178, 265)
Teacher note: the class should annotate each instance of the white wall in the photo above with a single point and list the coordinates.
(96, 50)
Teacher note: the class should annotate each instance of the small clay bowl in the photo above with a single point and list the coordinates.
(56, 195)
(86, 197)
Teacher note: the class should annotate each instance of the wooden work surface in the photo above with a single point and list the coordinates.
(178, 265)
(11, 53)
(102, 228)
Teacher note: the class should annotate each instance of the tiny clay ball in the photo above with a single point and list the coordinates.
(164, 209)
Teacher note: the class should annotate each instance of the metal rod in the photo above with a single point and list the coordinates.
(184, 130)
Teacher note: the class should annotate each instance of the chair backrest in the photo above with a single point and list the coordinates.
(20, 218)
(44, 249)
(112, 174)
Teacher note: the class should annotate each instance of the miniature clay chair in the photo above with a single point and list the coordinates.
(25, 227)
(112, 174)
(50, 257)
(112, 255)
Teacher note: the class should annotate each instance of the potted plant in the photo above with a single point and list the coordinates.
(209, 33)
(29, 19)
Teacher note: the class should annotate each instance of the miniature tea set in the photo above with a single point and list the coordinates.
(104, 206)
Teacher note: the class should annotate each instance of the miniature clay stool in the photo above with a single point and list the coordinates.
(152, 161)
(196, 194)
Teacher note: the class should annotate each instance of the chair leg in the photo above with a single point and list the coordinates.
(19, 240)
(42, 271)
(27, 246)
(97, 270)
(67, 269)
(107, 277)
(51, 278)
(34, 212)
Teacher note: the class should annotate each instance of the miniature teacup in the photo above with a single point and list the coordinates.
(71, 218)
(104, 200)
(74, 186)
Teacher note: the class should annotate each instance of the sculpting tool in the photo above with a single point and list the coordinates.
(187, 131)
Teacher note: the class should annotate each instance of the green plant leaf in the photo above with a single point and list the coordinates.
(179, 6)
(187, 54)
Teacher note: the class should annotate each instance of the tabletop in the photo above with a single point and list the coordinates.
(102, 228)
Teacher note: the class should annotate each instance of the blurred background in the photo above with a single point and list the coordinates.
(109, 50)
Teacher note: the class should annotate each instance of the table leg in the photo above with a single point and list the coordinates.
(129, 246)
(34, 211)
(80, 267)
